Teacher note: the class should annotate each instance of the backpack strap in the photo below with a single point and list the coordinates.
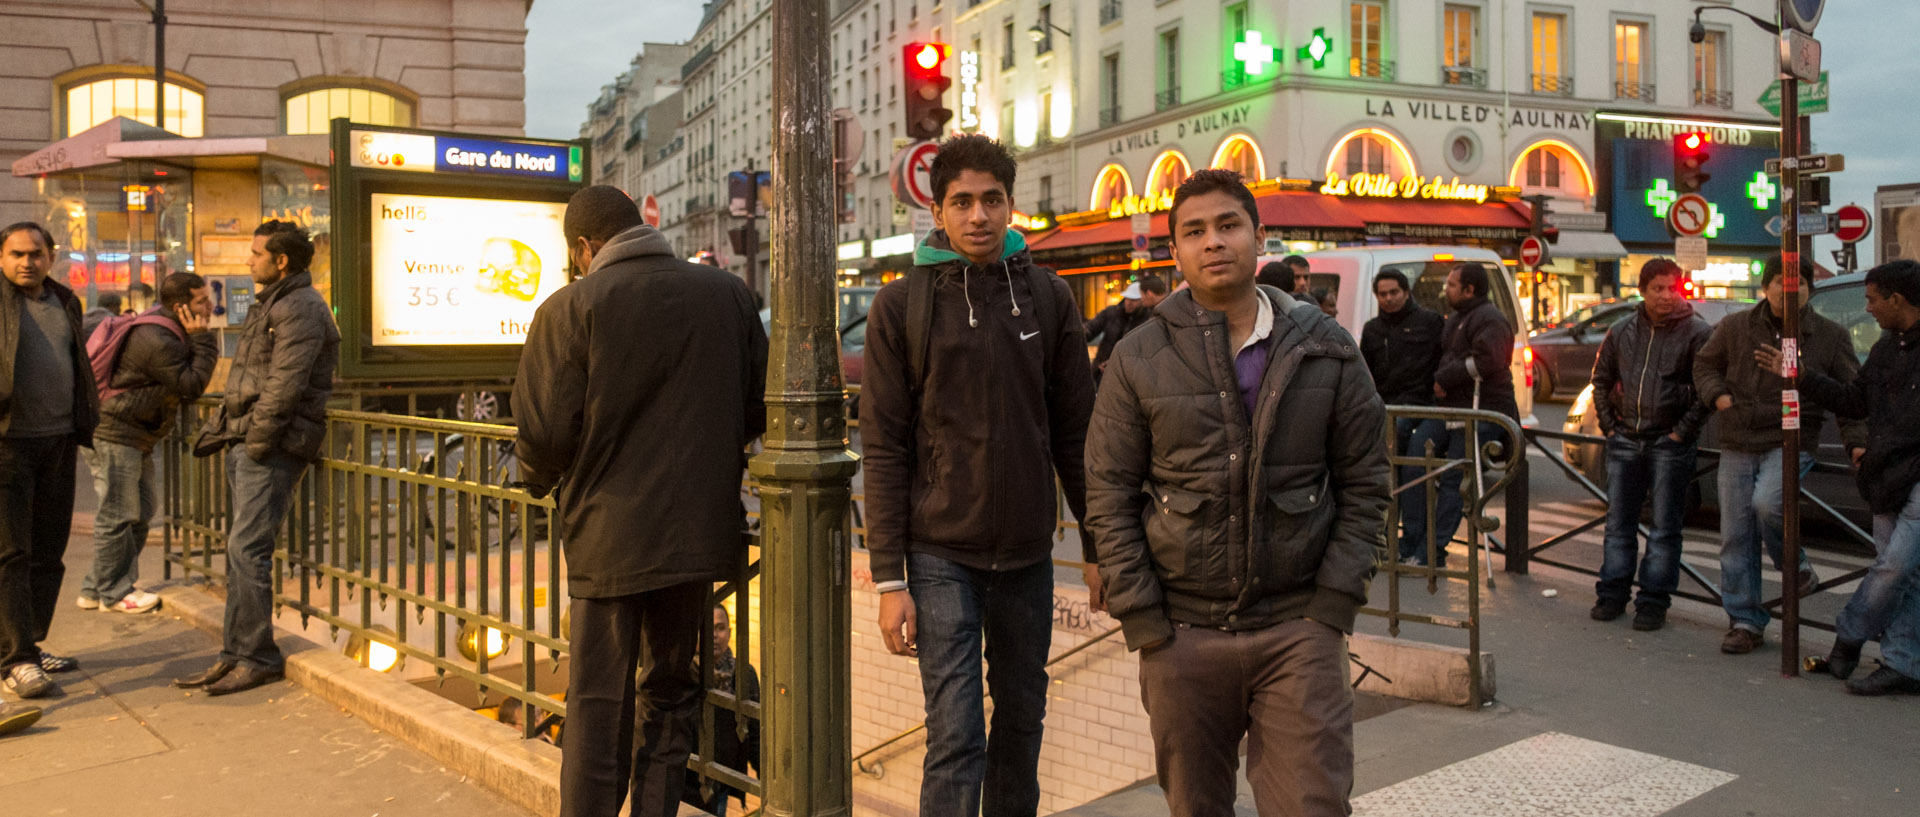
(1045, 311)
(919, 325)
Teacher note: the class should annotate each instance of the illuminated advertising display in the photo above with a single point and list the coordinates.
(1635, 157)
(461, 271)
(447, 244)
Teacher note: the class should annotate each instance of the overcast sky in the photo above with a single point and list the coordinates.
(576, 46)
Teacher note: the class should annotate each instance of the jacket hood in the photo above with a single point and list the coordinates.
(936, 249)
(633, 242)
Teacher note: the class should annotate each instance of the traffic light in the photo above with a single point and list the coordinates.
(1690, 161)
(927, 82)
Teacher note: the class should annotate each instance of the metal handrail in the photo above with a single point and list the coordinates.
(415, 533)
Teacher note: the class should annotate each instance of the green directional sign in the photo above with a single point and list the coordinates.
(1813, 97)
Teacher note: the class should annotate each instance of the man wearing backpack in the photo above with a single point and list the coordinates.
(976, 395)
(145, 365)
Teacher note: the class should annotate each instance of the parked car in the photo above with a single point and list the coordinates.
(1588, 311)
(1563, 357)
(1347, 274)
(1842, 300)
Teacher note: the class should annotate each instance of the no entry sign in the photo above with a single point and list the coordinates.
(1690, 215)
(1851, 223)
(1533, 251)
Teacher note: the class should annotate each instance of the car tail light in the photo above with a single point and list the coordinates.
(1526, 356)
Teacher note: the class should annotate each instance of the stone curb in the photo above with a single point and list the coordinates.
(524, 772)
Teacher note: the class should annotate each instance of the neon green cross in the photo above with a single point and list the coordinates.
(1715, 220)
(1660, 197)
(1761, 190)
(1253, 53)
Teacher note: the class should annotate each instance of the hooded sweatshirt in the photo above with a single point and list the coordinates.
(962, 465)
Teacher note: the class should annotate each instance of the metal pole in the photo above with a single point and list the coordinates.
(1790, 399)
(160, 65)
(805, 469)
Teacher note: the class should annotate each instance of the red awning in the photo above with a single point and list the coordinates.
(1111, 231)
(1307, 210)
(1436, 213)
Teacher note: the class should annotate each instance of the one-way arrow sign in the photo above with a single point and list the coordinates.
(1816, 163)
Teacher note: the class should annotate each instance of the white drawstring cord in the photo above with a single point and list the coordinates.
(966, 291)
(1009, 273)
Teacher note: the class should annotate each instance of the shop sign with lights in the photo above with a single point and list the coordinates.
(1150, 203)
(1381, 185)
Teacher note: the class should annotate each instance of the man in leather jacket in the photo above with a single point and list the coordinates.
(1644, 398)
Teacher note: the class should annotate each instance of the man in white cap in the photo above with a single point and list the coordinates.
(1113, 323)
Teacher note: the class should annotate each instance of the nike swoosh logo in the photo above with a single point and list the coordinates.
(1027, 335)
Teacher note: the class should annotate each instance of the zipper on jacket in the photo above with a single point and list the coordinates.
(1640, 394)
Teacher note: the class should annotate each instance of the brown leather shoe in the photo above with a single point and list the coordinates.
(1740, 641)
(214, 673)
(243, 678)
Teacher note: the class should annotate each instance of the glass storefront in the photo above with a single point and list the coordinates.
(121, 228)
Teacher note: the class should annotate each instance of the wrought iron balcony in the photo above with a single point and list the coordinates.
(1554, 84)
(1636, 91)
(1713, 99)
(1167, 98)
(1370, 69)
(1463, 76)
(1109, 116)
(1233, 76)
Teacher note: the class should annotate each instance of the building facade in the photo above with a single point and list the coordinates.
(618, 122)
(247, 70)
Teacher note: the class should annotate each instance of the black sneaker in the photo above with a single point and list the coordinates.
(1604, 610)
(1647, 619)
(1843, 660)
(1885, 681)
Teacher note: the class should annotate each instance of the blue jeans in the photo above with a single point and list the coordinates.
(1751, 516)
(1450, 443)
(954, 607)
(1887, 603)
(1635, 468)
(262, 492)
(123, 479)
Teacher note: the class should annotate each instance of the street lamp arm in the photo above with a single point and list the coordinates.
(1039, 30)
(1698, 32)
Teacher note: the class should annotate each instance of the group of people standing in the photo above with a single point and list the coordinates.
(107, 386)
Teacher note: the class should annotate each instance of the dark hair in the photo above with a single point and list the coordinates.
(109, 301)
(1213, 180)
(598, 213)
(142, 290)
(1658, 267)
(976, 152)
(1296, 262)
(1776, 268)
(1393, 275)
(1154, 284)
(1900, 277)
(1474, 274)
(45, 237)
(178, 288)
(286, 238)
(1275, 274)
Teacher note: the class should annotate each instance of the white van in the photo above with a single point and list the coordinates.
(1348, 275)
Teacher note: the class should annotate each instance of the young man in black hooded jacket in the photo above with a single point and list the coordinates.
(976, 395)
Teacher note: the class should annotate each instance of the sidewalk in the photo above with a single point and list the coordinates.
(1625, 724)
(121, 739)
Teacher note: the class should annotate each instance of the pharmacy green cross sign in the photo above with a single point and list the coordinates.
(1254, 54)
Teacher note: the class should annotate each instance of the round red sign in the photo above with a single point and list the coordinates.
(1532, 250)
(1851, 223)
(650, 210)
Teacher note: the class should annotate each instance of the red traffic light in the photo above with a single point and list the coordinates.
(1694, 140)
(929, 55)
(1690, 160)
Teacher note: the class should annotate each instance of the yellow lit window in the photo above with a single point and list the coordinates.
(91, 103)
(310, 112)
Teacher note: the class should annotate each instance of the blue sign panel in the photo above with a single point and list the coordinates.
(495, 158)
(1742, 196)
